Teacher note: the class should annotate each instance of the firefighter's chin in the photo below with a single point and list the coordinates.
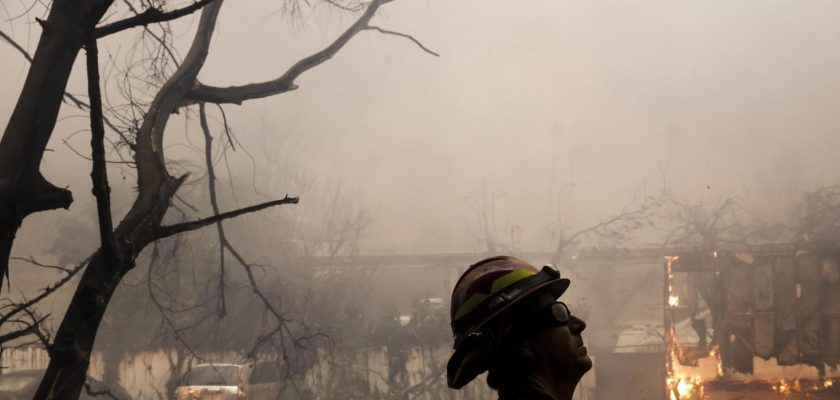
(584, 363)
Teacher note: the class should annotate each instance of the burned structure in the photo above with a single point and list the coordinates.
(763, 323)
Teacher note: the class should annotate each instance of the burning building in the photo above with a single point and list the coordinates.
(762, 324)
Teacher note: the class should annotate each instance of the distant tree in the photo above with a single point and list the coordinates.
(615, 230)
(818, 218)
(725, 224)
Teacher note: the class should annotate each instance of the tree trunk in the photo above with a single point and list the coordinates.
(70, 353)
(23, 191)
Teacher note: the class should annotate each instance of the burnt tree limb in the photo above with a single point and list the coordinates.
(99, 172)
(169, 230)
(214, 202)
(152, 15)
(69, 98)
(23, 190)
(286, 82)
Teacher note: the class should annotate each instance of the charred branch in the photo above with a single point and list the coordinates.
(17, 46)
(34, 117)
(151, 168)
(163, 309)
(286, 82)
(44, 293)
(152, 15)
(69, 97)
(214, 203)
(99, 173)
(282, 322)
(33, 261)
(23, 191)
(169, 230)
(30, 328)
(403, 35)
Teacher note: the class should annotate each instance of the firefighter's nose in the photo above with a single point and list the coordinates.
(576, 325)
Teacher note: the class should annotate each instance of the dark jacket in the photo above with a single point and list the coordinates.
(524, 390)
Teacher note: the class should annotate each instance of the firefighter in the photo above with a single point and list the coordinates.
(507, 320)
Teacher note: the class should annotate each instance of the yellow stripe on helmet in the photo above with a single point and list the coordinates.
(510, 278)
(499, 284)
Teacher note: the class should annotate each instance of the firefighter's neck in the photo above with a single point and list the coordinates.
(560, 386)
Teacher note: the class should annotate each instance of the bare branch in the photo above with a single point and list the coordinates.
(168, 321)
(214, 203)
(225, 245)
(227, 127)
(34, 262)
(99, 172)
(166, 231)
(152, 176)
(77, 102)
(631, 215)
(150, 16)
(409, 37)
(17, 47)
(43, 337)
(46, 292)
(29, 329)
(286, 82)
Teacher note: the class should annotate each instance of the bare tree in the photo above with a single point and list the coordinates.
(724, 224)
(484, 227)
(818, 219)
(616, 229)
(23, 190)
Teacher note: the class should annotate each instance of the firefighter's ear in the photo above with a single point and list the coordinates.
(523, 349)
(526, 350)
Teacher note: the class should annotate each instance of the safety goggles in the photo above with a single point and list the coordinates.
(549, 316)
(552, 315)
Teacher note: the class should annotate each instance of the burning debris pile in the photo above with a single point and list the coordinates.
(752, 325)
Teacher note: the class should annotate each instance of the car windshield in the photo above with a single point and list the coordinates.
(15, 383)
(213, 375)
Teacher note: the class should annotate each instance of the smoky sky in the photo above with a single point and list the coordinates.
(546, 110)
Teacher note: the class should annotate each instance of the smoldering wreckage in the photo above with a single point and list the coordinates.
(760, 321)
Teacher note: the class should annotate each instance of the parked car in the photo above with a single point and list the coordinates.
(220, 381)
(217, 381)
(21, 385)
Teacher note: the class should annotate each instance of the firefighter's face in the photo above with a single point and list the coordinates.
(560, 348)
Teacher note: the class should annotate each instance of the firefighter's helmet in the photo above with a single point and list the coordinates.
(483, 293)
